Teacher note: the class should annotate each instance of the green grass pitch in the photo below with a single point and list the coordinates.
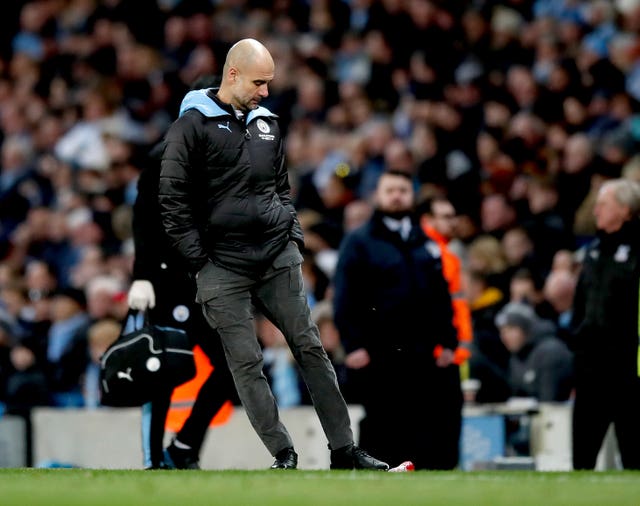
(85, 487)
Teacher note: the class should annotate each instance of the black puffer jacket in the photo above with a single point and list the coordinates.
(224, 189)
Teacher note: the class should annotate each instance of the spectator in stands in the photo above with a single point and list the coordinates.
(40, 283)
(564, 260)
(67, 351)
(577, 160)
(356, 213)
(558, 291)
(543, 221)
(489, 357)
(100, 335)
(50, 359)
(497, 214)
(378, 132)
(525, 286)
(540, 365)
(106, 297)
(21, 186)
(14, 308)
(42, 236)
(486, 256)
(520, 253)
(605, 330)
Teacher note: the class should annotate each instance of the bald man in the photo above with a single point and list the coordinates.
(226, 207)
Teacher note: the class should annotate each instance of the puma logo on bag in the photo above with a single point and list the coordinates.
(125, 375)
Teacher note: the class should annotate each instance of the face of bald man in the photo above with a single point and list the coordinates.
(249, 71)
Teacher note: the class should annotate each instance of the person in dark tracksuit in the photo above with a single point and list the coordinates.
(161, 284)
(605, 330)
(226, 206)
(392, 309)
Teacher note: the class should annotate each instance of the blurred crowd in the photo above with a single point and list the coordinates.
(515, 110)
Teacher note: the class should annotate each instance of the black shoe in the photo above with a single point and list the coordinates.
(354, 457)
(286, 459)
(180, 458)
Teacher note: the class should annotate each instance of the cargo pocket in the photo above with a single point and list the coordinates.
(291, 259)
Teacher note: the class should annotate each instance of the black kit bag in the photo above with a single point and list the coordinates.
(144, 359)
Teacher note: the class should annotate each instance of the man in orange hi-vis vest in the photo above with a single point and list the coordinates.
(437, 216)
(183, 397)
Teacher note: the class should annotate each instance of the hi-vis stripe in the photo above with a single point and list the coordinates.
(462, 295)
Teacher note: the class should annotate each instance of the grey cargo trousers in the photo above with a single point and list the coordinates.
(226, 299)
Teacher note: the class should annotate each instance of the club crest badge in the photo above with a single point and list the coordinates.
(153, 364)
(262, 126)
(181, 313)
(622, 253)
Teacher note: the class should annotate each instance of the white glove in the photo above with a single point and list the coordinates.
(141, 295)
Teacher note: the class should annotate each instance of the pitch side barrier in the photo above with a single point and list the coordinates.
(109, 438)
